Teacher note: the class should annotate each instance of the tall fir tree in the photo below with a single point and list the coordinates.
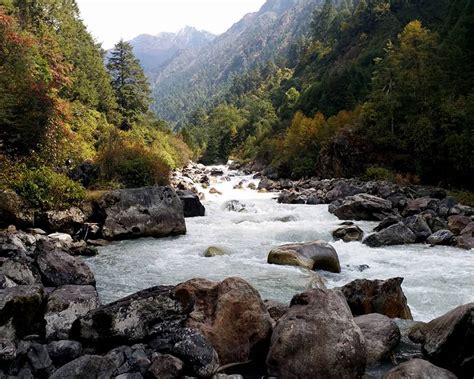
(129, 82)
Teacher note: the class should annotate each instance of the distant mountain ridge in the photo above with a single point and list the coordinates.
(154, 52)
(185, 80)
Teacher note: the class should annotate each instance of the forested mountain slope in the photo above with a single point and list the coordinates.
(196, 78)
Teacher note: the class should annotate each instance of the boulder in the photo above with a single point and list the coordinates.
(34, 357)
(316, 255)
(65, 351)
(142, 212)
(317, 338)
(165, 367)
(418, 369)
(381, 334)
(133, 359)
(65, 305)
(213, 251)
(409, 347)
(192, 206)
(131, 319)
(276, 309)
(348, 233)
(14, 211)
(457, 223)
(19, 271)
(58, 269)
(61, 240)
(419, 227)
(377, 296)
(341, 190)
(397, 234)
(441, 237)
(416, 206)
(465, 242)
(86, 367)
(67, 221)
(387, 221)
(214, 191)
(361, 207)
(230, 314)
(449, 341)
(21, 311)
(234, 206)
(7, 350)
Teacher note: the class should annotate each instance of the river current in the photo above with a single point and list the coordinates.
(437, 279)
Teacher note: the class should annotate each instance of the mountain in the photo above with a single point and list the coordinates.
(154, 52)
(197, 77)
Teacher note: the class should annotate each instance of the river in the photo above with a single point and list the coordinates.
(437, 279)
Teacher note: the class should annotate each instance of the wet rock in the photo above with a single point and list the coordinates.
(252, 186)
(381, 334)
(419, 226)
(348, 233)
(266, 184)
(213, 251)
(131, 319)
(230, 314)
(65, 351)
(377, 296)
(142, 212)
(14, 211)
(235, 206)
(21, 311)
(416, 206)
(397, 234)
(165, 367)
(67, 221)
(317, 337)
(216, 172)
(441, 237)
(58, 269)
(192, 206)
(418, 369)
(361, 207)
(86, 367)
(408, 348)
(449, 341)
(7, 350)
(457, 223)
(65, 305)
(19, 271)
(386, 222)
(316, 255)
(276, 309)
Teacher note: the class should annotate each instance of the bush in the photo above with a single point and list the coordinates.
(379, 173)
(132, 164)
(46, 189)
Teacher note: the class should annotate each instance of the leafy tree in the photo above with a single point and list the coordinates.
(129, 82)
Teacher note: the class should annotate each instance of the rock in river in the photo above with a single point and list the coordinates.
(142, 212)
(191, 204)
(316, 255)
(361, 207)
(317, 338)
(396, 234)
(377, 296)
(418, 369)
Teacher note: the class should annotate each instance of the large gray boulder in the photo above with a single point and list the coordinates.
(449, 341)
(441, 237)
(377, 296)
(21, 311)
(58, 268)
(418, 369)
(317, 338)
(142, 212)
(419, 227)
(316, 255)
(361, 207)
(381, 334)
(65, 221)
(192, 206)
(65, 305)
(397, 234)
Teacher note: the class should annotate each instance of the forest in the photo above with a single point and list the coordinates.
(375, 89)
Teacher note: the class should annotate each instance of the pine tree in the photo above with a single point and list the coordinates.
(129, 82)
(323, 20)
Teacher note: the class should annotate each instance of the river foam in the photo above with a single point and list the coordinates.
(436, 279)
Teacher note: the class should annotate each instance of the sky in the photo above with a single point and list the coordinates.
(110, 20)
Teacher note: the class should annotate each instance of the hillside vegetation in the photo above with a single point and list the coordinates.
(381, 89)
(65, 116)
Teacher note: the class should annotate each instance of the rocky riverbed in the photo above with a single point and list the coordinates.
(284, 293)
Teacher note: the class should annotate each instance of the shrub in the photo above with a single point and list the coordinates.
(132, 164)
(46, 189)
(379, 173)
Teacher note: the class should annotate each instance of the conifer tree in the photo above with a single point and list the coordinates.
(129, 83)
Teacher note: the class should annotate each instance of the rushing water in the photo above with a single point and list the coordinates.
(436, 279)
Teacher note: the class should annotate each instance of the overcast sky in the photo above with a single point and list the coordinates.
(110, 20)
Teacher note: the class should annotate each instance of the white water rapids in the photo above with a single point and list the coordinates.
(436, 279)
